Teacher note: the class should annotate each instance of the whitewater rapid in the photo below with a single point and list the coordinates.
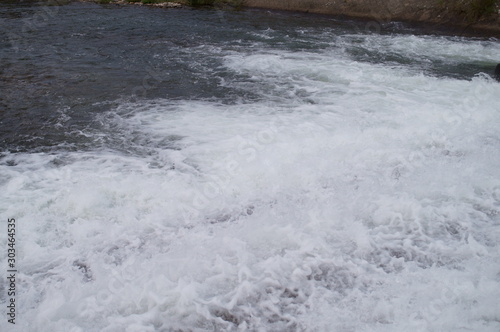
(343, 194)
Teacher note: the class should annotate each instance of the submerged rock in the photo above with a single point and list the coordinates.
(497, 73)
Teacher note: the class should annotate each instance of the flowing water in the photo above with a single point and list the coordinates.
(207, 170)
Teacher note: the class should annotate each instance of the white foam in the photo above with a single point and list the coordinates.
(352, 197)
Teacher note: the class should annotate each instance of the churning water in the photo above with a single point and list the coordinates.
(201, 170)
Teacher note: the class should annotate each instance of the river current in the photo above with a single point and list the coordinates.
(210, 170)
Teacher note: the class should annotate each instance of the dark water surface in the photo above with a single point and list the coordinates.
(61, 65)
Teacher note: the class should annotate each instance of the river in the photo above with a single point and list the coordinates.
(209, 170)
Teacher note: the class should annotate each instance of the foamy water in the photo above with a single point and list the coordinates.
(348, 195)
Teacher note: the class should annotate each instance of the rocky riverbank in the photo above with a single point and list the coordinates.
(154, 3)
(464, 16)
(470, 17)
